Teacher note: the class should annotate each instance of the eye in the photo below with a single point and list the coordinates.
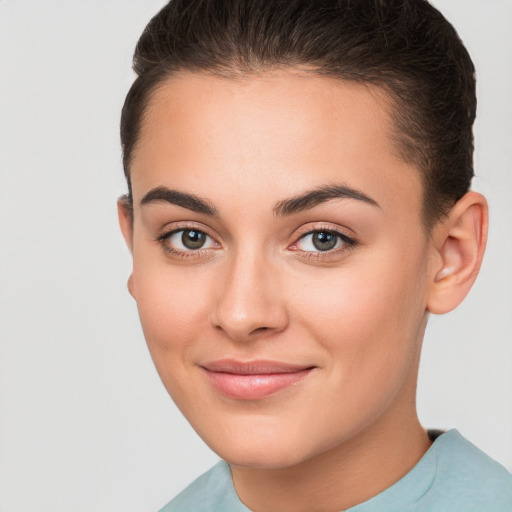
(187, 240)
(323, 240)
(319, 241)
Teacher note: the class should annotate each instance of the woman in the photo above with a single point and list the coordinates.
(298, 204)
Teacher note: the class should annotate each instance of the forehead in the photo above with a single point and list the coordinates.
(278, 133)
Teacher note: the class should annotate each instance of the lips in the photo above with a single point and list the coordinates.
(253, 380)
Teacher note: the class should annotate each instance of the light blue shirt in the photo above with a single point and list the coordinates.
(453, 476)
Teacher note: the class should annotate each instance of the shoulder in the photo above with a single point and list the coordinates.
(467, 479)
(213, 491)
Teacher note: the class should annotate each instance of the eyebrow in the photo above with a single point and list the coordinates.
(183, 199)
(317, 196)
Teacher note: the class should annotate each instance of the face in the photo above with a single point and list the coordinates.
(280, 264)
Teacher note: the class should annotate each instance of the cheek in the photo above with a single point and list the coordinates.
(172, 304)
(368, 316)
(369, 323)
(173, 315)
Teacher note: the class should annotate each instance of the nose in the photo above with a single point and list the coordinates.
(249, 299)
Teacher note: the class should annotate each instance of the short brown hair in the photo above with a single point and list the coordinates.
(406, 47)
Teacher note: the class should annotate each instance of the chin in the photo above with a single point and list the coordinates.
(266, 447)
(269, 458)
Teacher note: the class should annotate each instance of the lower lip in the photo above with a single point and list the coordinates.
(254, 387)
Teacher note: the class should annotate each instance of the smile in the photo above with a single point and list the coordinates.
(253, 380)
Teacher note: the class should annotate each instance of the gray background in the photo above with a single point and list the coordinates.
(85, 424)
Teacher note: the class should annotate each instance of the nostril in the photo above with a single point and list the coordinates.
(259, 329)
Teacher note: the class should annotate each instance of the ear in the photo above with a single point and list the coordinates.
(125, 214)
(459, 245)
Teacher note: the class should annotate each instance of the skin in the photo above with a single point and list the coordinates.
(260, 290)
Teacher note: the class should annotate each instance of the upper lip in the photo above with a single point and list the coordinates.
(256, 367)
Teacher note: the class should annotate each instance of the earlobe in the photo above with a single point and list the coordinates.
(460, 244)
(130, 286)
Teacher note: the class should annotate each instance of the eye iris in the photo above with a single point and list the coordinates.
(324, 241)
(192, 239)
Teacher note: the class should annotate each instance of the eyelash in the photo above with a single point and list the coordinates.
(348, 243)
(181, 254)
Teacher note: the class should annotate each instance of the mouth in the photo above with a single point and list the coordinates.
(253, 380)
